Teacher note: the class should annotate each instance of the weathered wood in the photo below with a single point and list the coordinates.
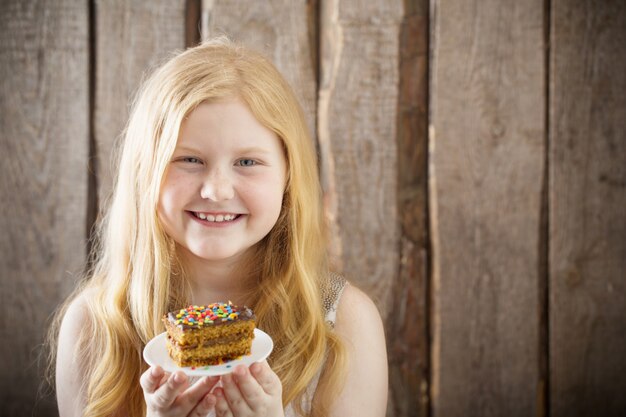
(44, 143)
(357, 131)
(357, 115)
(283, 30)
(588, 209)
(132, 37)
(408, 330)
(193, 10)
(487, 154)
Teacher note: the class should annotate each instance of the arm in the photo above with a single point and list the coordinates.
(165, 394)
(360, 327)
(70, 396)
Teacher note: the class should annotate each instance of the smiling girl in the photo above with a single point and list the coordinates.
(218, 198)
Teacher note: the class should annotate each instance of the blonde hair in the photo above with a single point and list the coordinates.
(136, 277)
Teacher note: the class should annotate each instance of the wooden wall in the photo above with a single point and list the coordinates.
(473, 156)
(587, 208)
(487, 142)
(44, 151)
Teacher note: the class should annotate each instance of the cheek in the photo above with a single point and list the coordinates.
(170, 199)
(175, 188)
(165, 213)
(265, 200)
(167, 198)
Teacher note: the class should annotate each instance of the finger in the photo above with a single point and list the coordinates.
(151, 379)
(167, 393)
(250, 389)
(204, 406)
(221, 405)
(233, 395)
(198, 390)
(268, 380)
(164, 378)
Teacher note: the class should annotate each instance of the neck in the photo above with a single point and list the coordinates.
(215, 281)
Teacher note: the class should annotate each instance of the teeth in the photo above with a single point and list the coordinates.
(217, 218)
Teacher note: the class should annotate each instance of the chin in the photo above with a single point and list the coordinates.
(212, 255)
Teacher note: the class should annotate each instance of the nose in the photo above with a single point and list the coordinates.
(217, 187)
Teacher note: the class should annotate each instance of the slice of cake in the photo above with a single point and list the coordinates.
(209, 335)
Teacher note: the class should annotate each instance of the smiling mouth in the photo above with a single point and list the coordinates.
(216, 218)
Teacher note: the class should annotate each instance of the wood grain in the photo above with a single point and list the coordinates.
(357, 114)
(497, 224)
(283, 30)
(588, 209)
(132, 37)
(486, 167)
(44, 98)
(408, 330)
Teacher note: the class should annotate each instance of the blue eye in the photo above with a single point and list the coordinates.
(192, 160)
(246, 162)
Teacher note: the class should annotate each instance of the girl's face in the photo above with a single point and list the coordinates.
(223, 190)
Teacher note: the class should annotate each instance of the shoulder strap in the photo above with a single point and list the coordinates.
(331, 293)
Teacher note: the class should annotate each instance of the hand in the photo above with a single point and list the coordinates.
(254, 392)
(168, 395)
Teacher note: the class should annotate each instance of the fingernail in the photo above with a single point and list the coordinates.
(255, 368)
(241, 370)
(179, 378)
(154, 371)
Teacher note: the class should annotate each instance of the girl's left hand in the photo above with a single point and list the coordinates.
(254, 392)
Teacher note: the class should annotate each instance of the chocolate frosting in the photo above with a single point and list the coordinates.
(187, 319)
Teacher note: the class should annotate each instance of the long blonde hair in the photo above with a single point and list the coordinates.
(136, 277)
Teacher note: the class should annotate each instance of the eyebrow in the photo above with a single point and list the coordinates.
(186, 149)
(243, 150)
(252, 149)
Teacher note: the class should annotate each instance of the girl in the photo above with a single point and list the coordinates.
(218, 198)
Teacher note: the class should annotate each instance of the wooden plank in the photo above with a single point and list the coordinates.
(193, 10)
(487, 156)
(283, 30)
(131, 38)
(358, 139)
(44, 101)
(587, 209)
(408, 331)
(357, 116)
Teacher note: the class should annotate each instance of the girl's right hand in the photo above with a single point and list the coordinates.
(168, 395)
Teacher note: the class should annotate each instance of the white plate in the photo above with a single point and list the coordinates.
(155, 353)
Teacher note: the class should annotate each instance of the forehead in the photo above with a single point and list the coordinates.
(225, 121)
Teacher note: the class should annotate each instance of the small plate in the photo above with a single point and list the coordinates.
(155, 353)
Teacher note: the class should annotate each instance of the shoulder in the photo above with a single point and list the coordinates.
(69, 367)
(76, 320)
(360, 327)
(357, 314)
(76, 317)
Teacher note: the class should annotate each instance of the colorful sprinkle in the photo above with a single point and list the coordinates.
(198, 316)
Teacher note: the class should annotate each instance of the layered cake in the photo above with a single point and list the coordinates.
(209, 335)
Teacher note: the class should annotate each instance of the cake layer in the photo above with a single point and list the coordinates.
(209, 355)
(213, 341)
(208, 335)
(184, 336)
